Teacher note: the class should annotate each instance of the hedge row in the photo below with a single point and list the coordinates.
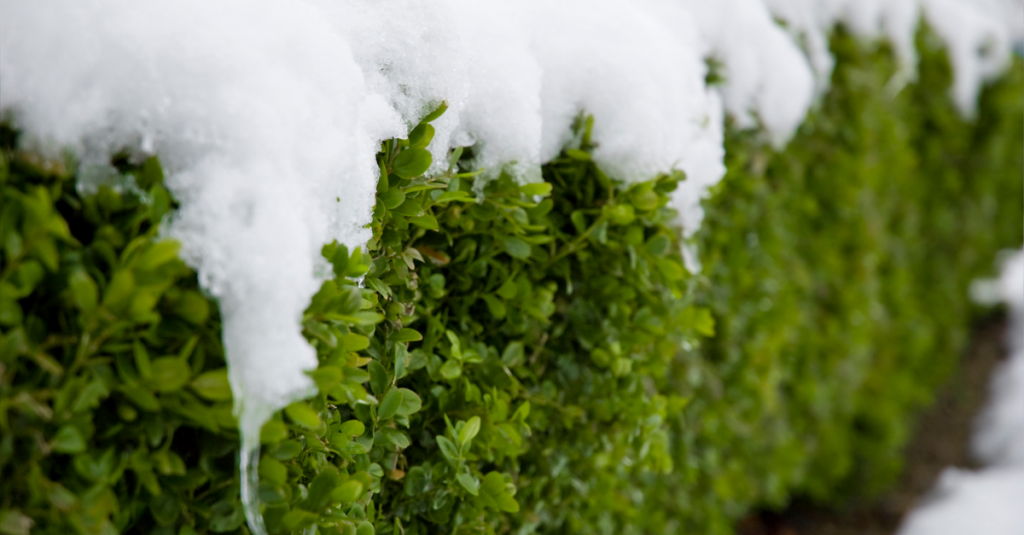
(532, 360)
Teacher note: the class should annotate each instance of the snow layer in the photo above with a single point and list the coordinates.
(267, 113)
(989, 500)
(978, 34)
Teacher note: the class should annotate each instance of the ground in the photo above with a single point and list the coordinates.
(941, 439)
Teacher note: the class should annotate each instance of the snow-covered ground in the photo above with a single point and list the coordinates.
(989, 501)
(268, 113)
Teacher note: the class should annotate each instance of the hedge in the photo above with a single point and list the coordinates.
(535, 359)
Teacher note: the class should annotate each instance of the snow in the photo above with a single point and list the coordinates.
(988, 500)
(978, 34)
(767, 76)
(267, 114)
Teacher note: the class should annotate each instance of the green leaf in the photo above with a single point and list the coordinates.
(577, 154)
(347, 492)
(469, 431)
(390, 435)
(83, 289)
(469, 483)
(354, 342)
(517, 248)
(119, 292)
(406, 335)
(411, 163)
(438, 111)
(352, 428)
(411, 402)
(389, 405)
(392, 198)
(448, 449)
(68, 440)
(379, 380)
(322, 487)
(302, 414)
(495, 306)
(169, 374)
(273, 431)
(226, 516)
(513, 354)
(507, 503)
(158, 254)
(421, 136)
(426, 221)
(658, 244)
(326, 377)
(452, 369)
(213, 385)
(10, 312)
(537, 188)
(273, 471)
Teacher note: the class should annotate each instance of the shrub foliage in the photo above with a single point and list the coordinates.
(519, 358)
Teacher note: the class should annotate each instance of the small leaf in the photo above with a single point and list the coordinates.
(392, 198)
(495, 306)
(407, 335)
(517, 248)
(389, 405)
(193, 308)
(354, 342)
(273, 431)
(68, 440)
(411, 402)
(537, 188)
(119, 291)
(469, 483)
(426, 221)
(322, 487)
(448, 449)
(390, 435)
(469, 431)
(411, 163)
(213, 385)
(438, 111)
(513, 354)
(169, 374)
(379, 380)
(451, 370)
(507, 503)
(302, 414)
(83, 289)
(158, 254)
(326, 377)
(578, 155)
(421, 136)
(352, 428)
(348, 491)
(658, 244)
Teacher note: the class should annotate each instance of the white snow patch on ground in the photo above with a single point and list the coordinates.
(988, 500)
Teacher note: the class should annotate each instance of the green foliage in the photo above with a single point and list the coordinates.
(519, 358)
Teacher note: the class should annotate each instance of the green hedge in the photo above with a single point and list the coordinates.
(537, 360)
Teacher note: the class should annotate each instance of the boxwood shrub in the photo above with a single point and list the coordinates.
(534, 358)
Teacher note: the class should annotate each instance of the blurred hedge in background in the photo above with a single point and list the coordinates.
(538, 361)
